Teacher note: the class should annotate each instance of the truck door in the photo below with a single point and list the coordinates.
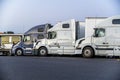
(66, 42)
(28, 44)
(99, 39)
(52, 42)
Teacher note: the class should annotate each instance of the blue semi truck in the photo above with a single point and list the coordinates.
(29, 38)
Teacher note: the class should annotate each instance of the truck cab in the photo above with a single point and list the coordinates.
(25, 46)
(105, 40)
(61, 39)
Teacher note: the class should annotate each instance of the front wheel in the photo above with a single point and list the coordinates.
(88, 52)
(19, 52)
(42, 51)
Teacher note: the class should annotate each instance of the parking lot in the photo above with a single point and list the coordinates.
(58, 68)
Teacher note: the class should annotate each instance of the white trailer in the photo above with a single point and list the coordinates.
(104, 42)
(61, 38)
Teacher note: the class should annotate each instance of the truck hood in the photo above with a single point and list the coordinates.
(87, 40)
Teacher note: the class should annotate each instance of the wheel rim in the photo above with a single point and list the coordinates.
(87, 53)
(42, 52)
(19, 52)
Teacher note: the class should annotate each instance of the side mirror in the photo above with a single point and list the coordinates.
(14, 43)
(95, 35)
(47, 36)
(24, 39)
(35, 40)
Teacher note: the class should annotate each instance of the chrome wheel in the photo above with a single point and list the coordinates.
(88, 52)
(43, 51)
(19, 52)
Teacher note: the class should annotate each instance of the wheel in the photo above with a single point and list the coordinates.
(19, 52)
(88, 52)
(42, 51)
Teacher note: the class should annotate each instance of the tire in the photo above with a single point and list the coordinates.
(42, 51)
(88, 52)
(19, 52)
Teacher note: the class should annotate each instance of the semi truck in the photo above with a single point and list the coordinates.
(61, 38)
(7, 41)
(104, 42)
(25, 46)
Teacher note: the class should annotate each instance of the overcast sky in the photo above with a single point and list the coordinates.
(21, 15)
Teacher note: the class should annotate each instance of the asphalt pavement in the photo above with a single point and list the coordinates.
(58, 68)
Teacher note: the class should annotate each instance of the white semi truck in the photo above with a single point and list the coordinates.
(61, 38)
(104, 42)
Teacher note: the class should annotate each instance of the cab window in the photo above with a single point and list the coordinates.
(99, 32)
(116, 21)
(65, 26)
(41, 29)
(52, 35)
(40, 36)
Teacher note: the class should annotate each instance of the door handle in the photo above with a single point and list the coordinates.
(55, 43)
(105, 43)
